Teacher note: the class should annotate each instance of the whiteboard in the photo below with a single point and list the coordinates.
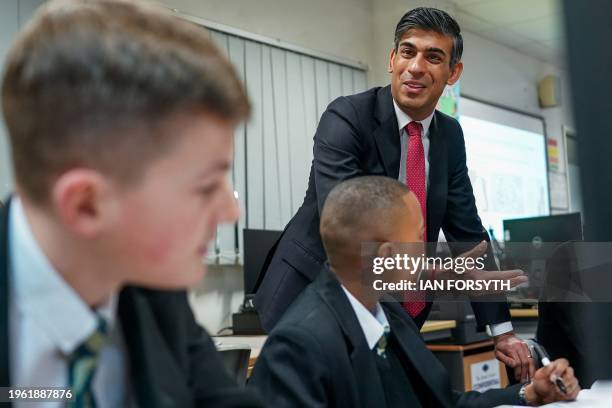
(506, 159)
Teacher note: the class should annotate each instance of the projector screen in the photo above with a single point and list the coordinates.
(506, 159)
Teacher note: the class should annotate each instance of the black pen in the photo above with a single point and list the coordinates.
(545, 362)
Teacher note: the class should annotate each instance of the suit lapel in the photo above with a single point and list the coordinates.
(5, 378)
(368, 384)
(438, 178)
(386, 135)
(413, 347)
(158, 380)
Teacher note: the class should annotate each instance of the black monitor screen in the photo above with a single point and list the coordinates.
(257, 244)
(553, 228)
(529, 242)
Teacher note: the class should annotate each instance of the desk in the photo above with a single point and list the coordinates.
(524, 313)
(437, 325)
(434, 329)
(599, 396)
(437, 329)
(469, 363)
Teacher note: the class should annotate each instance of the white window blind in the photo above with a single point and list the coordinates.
(288, 92)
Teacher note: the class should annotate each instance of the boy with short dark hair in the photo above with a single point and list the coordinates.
(121, 121)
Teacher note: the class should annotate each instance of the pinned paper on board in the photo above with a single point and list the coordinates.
(559, 196)
(449, 101)
(553, 155)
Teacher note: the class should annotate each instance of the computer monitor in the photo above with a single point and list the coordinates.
(257, 243)
(552, 228)
(529, 243)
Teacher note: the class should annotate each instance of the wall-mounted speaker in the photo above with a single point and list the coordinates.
(549, 91)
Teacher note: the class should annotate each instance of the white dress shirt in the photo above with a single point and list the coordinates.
(402, 120)
(372, 323)
(48, 321)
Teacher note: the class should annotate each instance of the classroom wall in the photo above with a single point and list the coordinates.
(339, 27)
(504, 76)
(14, 14)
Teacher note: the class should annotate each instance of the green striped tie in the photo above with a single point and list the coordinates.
(82, 366)
(381, 346)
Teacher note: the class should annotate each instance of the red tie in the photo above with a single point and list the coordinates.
(415, 180)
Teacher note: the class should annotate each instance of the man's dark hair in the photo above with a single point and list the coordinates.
(432, 19)
(357, 205)
(94, 84)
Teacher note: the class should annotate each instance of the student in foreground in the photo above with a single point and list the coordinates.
(339, 346)
(121, 123)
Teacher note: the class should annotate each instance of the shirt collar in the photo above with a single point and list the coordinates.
(40, 291)
(372, 324)
(403, 119)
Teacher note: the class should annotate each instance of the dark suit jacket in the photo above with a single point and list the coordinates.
(564, 327)
(358, 135)
(564, 331)
(317, 356)
(173, 361)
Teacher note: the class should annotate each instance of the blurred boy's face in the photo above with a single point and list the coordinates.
(165, 224)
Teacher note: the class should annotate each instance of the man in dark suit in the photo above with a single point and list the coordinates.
(394, 131)
(339, 346)
(121, 120)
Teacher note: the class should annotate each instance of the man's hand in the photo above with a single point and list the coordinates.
(515, 276)
(543, 389)
(514, 353)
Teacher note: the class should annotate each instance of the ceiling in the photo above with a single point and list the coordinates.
(533, 27)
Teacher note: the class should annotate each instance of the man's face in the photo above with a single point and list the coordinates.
(165, 224)
(420, 69)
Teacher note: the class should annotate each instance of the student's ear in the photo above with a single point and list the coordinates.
(385, 250)
(83, 200)
(455, 73)
(391, 59)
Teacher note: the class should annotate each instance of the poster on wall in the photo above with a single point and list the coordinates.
(558, 191)
(553, 155)
(449, 101)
